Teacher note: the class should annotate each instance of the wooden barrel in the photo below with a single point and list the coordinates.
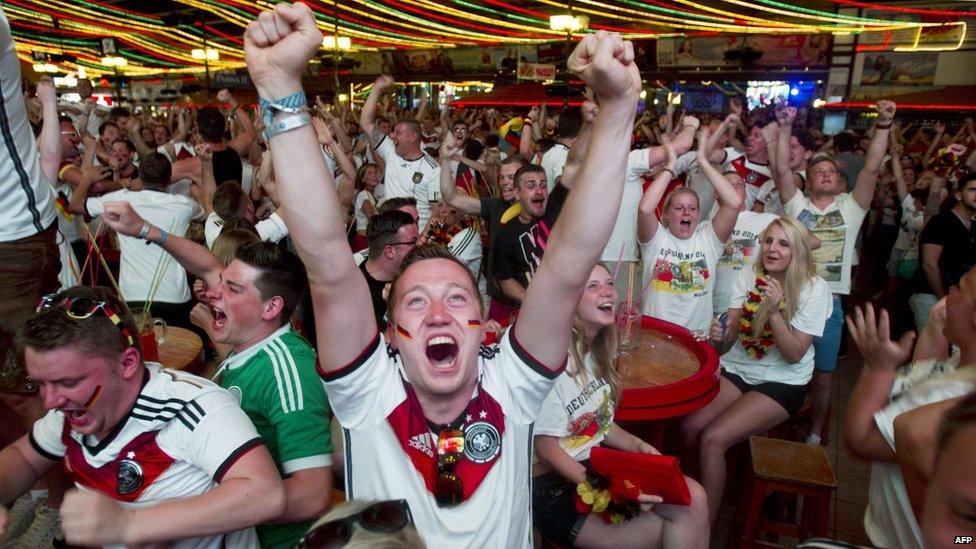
(667, 374)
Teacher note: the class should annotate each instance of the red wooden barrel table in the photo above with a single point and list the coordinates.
(667, 374)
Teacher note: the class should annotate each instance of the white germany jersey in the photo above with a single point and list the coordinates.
(179, 439)
(419, 178)
(26, 198)
(368, 397)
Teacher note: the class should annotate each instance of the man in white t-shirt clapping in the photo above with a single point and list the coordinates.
(409, 398)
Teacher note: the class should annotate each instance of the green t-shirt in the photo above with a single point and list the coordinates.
(279, 389)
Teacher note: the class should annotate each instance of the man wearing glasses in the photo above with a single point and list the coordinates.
(159, 455)
(429, 415)
(391, 235)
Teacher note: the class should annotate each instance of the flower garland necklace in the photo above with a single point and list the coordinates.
(756, 345)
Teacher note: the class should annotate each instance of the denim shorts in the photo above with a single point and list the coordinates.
(827, 346)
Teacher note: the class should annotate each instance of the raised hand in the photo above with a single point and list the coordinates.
(873, 339)
(735, 106)
(886, 112)
(45, 91)
(322, 132)
(940, 126)
(606, 63)
(786, 116)
(690, 121)
(224, 96)
(731, 120)
(770, 132)
(278, 46)
(383, 82)
(449, 147)
(121, 218)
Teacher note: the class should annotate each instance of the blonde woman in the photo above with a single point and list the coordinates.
(578, 415)
(777, 308)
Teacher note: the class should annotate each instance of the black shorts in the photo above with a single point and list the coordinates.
(790, 397)
(554, 508)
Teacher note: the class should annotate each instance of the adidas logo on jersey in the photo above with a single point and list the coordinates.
(422, 442)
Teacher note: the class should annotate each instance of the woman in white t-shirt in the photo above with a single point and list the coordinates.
(777, 308)
(680, 253)
(578, 415)
(367, 178)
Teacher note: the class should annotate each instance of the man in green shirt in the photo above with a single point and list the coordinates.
(271, 369)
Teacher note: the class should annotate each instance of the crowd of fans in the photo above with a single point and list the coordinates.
(447, 285)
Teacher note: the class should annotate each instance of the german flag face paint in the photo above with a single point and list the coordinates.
(403, 333)
(94, 397)
(474, 323)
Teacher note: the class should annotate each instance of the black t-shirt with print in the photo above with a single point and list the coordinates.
(958, 250)
(519, 246)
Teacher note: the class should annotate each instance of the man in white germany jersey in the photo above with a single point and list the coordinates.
(409, 170)
(407, 398)
(159, 456)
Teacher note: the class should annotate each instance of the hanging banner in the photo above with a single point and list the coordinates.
(794, 50)
(888, 68)
(536, 71)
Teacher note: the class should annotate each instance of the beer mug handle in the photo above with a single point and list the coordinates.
(160, 334)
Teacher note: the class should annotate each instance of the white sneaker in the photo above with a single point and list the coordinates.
(21, 515)
(41, 532)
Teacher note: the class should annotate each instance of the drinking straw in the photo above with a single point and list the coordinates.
(101, 258)
(161, 265)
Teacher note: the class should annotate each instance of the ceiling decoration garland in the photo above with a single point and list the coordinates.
(151, 47)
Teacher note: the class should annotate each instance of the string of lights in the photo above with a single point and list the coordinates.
(151, 46)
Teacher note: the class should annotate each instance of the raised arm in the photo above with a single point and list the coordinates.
(647, 222)
(242, 141)
(900, 186)
(277, 49)
(196, 259)
(868, 178)
(729, 200)
(606, 63)
(367, 119)
(49, 140)
(783, 177)
(347, 185)
(463, 203)
(681, 143)
(882, 357)
(133, 129)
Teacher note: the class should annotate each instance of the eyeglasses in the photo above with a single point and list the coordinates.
(412, 242)
(449, 490)
(80, 308)
(384, 517)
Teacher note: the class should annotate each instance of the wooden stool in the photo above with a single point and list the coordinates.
(789, 467)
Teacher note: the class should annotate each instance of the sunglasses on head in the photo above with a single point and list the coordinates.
(80, 308)
(449, 490)
(384, 517)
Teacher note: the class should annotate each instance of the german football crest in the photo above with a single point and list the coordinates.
(130, 477)
(481, 442)
(417, 177)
